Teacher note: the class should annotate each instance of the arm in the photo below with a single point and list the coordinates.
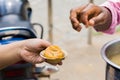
(114, 7)
(9, 54)
(27, 50)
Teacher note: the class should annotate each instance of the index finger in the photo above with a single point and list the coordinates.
(90, 12)
(74, 20)
(74, 17)
(45, 43)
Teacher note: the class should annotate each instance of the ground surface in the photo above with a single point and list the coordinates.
(84, 62)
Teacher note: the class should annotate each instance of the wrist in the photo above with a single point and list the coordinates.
(19, 49)
(10, 53)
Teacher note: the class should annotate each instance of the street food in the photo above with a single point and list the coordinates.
(115, 59)
(53, 52)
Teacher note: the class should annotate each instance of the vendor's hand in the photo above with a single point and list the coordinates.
(90, 15)
(31, 49)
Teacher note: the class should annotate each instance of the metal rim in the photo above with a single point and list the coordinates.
(104, 54)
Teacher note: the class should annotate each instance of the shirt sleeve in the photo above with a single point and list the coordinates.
(114, 8)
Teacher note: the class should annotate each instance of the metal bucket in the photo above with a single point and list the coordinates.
(110, 49)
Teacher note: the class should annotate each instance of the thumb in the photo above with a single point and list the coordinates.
(97, 20)
(91, 22)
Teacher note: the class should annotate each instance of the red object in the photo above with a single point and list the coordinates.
(14, 73)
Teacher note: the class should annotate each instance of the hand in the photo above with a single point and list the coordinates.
(30, 51)
(26, 50)
(91, 15)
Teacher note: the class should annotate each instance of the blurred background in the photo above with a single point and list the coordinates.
(84, 61)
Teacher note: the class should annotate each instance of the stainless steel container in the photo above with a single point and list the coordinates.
(109, 49)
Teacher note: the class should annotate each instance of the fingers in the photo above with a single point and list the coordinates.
(37, 45)
(59, 63)
(84, 15)
(91, 11)
(39, 59)
(36, 59)
(98, 20)
(44, 43)
(74, 17)
(75, 24)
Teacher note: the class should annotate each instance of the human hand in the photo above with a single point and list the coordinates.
(26, 50)
(90, 15)
(30, 51)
